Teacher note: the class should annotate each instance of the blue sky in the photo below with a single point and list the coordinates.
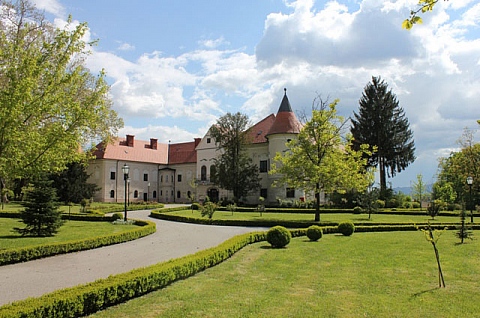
(176, 66)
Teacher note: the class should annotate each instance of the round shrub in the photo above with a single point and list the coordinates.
(346, 228)
(117, 216)
(314, 233)
(195, 206)
(416, 205)
(357, 210)
(278, 236)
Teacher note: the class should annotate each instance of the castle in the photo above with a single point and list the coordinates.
(174, 173)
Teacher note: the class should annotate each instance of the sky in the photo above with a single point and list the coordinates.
(176, 66)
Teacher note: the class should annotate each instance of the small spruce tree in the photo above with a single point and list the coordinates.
(41, 215)
(463, 231)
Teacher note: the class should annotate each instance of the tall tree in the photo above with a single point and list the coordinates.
(50, 103)
(234, 169)
(71, 184)
(381, 123)
(320, 159)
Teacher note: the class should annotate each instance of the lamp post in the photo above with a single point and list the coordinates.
(125, 170)
(148, 191)
(470, 182)
(128, 191)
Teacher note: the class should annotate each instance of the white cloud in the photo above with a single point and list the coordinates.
(125, 46)
(51, 6)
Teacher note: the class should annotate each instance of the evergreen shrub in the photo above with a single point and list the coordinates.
(117, 216)
(195, 206)
(278, 236)
(314, 232)
(357, 210)
(346, 228)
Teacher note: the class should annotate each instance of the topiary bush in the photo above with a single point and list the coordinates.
(346, 228)
(117, 216)
(314, 232)
(357, 210)
(195, 206)
(278, 236)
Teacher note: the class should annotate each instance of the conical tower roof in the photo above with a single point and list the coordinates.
(285, 122)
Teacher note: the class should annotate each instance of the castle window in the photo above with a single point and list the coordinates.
(263, 166)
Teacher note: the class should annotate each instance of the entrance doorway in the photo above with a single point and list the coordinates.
(213, 194)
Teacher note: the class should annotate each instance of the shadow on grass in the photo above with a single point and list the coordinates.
(428, 291)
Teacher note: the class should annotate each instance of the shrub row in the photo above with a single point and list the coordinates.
(104, 209)
(158, 214)
(11, 256)
(87, 299)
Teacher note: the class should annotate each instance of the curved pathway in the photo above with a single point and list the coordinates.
(171, 240)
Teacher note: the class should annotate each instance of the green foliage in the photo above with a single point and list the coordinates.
(381, 124)
(464, 232)
(208, 209)
(346, 228)
(314, 232)
(419, 189)
(71, 184)
(416, 205)
(357, 210)
(41, 215)
(50, 102)
(423, 6)
(278, 236)
(195, 206)
(234, 169)
(380, 203)
(117, 216)
(320, 159)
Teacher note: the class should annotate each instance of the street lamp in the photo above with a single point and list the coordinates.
(125, 170)
(470, 182)
(148, 191)
(128, 191)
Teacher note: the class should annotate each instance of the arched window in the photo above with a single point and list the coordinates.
(189, 194)
(112, 193)
(135, 194)
(203, 173)
(154, 194)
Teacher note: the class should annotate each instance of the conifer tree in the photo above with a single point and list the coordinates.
(381, 123)
(41, 215)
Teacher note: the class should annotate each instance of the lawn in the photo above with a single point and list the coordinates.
(324, 217)
(390, 274)
(71, 230)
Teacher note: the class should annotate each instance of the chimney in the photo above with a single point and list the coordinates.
(197, 141)
(130, 140)
(153, 143)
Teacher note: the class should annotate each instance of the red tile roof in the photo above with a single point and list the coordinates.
(257, 132)
(182, 153)
(141, 151)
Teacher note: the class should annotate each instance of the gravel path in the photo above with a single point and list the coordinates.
(172, 240)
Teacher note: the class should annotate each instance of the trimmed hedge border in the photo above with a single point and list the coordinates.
(87, 299)
(12, 256)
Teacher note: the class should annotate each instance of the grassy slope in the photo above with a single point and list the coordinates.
(366, 275)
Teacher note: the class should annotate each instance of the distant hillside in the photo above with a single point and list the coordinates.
(408, 190)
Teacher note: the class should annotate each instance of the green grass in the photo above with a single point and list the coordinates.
(71, 230)
(327, 217)
(366, 275)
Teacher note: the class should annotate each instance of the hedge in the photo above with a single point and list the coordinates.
(11, 256)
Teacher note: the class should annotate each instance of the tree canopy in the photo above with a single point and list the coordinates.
(454, 170)
(50, 103)
(234, 169)
(381, 123)
(320, 159)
